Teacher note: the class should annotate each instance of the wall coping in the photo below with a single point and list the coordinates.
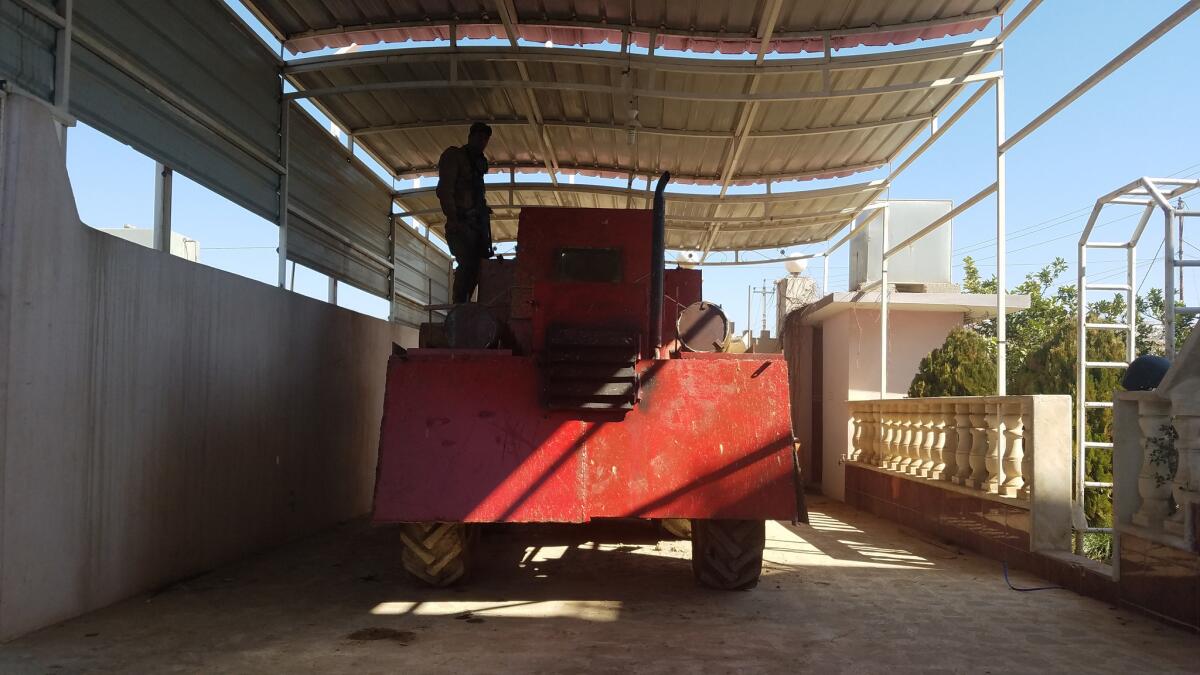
(948, 486)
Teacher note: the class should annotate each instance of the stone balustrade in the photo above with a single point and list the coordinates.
(952, 439)
(1156, 456)
(990, 447)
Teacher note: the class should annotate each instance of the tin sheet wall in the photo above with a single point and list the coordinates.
(204, 59)
(339, 215)
(158, 417)
(26, 49)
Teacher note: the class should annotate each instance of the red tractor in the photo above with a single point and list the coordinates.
(556, 398)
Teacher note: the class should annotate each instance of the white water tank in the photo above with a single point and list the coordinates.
(925, 262)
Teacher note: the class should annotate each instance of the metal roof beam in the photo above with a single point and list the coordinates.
(649, 93)
(591, 57)
(337, 31)
(422, 171)
(799, 195)
(679, 133)
(836, 224)
(783, 222)
(750, 109)
(508, 15)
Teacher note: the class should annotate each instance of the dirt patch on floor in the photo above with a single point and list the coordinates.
(375, 633)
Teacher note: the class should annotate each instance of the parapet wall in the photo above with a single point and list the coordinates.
(157, 417)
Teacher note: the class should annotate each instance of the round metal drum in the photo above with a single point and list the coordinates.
(471, 326)
(703, 327)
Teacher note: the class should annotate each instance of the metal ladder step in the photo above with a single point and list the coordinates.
(1187, 263)
(1107, 326)
(1098, 444)
(1108, 287)
(1098, 404)
(1106, 244)
(1096, 484)
(1187, 310)
(1106, 364)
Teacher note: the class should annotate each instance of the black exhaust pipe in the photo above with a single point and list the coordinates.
(658, 254)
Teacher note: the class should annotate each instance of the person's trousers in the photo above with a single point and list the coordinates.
(469, 250)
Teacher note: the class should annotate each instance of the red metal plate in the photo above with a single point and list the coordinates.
(465, 438)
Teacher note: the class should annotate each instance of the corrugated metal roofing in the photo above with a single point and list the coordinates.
(746, 222)
(618, 114)
(608, 114)
(705, 26)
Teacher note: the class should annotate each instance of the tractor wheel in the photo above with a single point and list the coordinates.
(727, 554)
(435, 553)
(680, 528)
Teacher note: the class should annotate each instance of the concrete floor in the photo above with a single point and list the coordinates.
(850, 594)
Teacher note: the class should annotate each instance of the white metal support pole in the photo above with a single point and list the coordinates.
(1169, 283)
(1107, 69)
(1081, 379)
(62, 65)
(1131, 310)
(285, 104)
(883, 303)
(162, 207)
(393, 237)
(1001, 251)
(825, 274)
(332, 297)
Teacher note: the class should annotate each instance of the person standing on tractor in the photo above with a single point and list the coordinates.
(460, 191)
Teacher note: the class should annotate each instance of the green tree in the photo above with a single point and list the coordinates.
(1151, 311)
(962, 366)
(1031, 328)
(1042, 344)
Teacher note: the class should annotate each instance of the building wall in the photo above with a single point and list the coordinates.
(157, 417)
(850, 371)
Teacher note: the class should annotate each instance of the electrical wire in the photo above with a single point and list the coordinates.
(1004, 566)
(1032, 229)
(1154, 260)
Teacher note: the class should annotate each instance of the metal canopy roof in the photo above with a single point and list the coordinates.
(608, 114)
(707, 222)
(623, 115)
(705, 26)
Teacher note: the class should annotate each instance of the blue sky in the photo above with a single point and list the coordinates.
(1140, 121)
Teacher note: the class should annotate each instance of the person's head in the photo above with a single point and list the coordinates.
(478, 137)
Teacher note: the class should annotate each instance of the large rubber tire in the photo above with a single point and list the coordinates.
(727, 554)
(435, 554)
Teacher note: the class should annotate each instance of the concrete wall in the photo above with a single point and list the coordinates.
(850, 371)
(157, 417)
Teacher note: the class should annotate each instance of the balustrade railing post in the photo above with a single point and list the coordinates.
(1027, 451)
(1188, 446)
(873, 441)
(992, 459)
(889, 436)
(948, 443)
(1155, 478)
(979, 446)
(897, 437)
(927, 459)
(1185, 487)
(1014, 449)
(856, 433)
(966, 438)
(937, 448)
(910, 429)
(917, 415)
(866, 421)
